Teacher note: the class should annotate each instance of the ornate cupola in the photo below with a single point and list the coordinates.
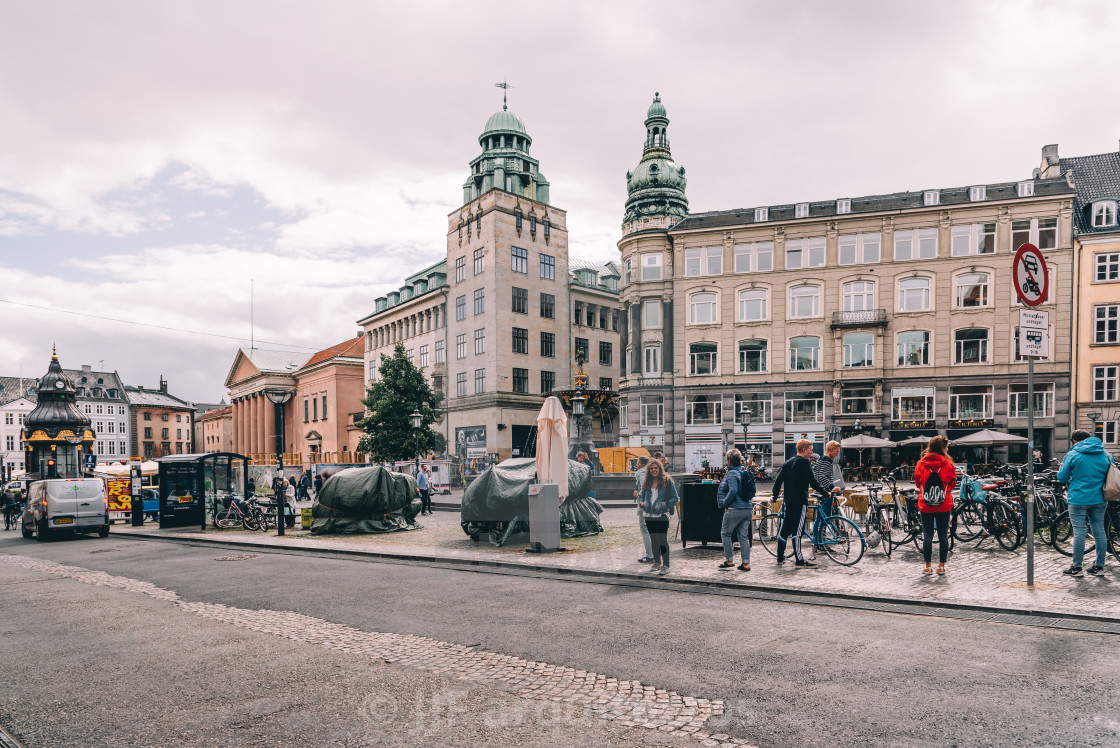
(56, 429)
(505, 163)
(656, 186)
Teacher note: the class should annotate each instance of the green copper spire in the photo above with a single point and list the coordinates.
(656, 186)
(505, 163)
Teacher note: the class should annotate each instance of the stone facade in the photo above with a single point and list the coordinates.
(161, 423)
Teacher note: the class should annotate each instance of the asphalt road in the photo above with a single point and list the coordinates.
(87, 665)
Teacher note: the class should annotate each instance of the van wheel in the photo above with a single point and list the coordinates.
(103, 532)
(25, 529)
(41, 531)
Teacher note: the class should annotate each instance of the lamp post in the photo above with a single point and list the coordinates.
(278, 398)
(416, 419)
(1094, 419)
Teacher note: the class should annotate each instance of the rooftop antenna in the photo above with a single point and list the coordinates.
(505, 90)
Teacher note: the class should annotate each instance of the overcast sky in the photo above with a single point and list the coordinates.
(155, 157)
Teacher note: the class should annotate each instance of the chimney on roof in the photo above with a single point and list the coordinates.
(162, 384)
(359, 333)
(86, 369)
(139, 388)
(1050, 167)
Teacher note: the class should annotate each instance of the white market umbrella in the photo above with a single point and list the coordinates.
(989, 438)
(552, 445)
(862, 442)
(919, 440)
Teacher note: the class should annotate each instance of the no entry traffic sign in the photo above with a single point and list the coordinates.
(1032, 279)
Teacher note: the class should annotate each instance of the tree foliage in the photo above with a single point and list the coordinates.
(400, 389)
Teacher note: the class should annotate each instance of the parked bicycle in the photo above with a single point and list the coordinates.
(240, 514)
(1061, 537)
(980, 514)
(839, 538)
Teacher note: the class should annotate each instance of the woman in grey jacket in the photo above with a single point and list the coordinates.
(658, 500)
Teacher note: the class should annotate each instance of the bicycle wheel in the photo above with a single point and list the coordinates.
(262, 520)
(768, 533)
(1061, 536)
(842, 541)
(886, 532)
(968, 522)
(1007, 525)
(227, 523)
(1112, 532)
(250, 521)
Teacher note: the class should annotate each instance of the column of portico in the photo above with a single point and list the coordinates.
(248, 424)
(234, 411)
(256, 424)
(262, 413)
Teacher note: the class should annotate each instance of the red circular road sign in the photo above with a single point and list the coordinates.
(1031, 277)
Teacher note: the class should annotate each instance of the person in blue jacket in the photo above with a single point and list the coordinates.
(1084, 469)
(734, 497)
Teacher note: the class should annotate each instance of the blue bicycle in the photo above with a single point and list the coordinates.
(839, 537)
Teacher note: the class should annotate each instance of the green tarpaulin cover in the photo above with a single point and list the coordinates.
(366, 500)
(497, 502)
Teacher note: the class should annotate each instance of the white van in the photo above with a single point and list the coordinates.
(66, 504)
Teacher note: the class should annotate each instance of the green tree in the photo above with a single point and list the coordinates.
(400, 389)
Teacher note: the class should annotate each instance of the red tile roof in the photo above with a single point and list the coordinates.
(228, 410)
(353, 347)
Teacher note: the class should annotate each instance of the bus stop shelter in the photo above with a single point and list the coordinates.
(191, 487)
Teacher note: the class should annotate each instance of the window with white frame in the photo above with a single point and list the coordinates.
(973, 239)
(859, 249)
(752, 356)
(1109, 433)
(804, 301)
(651, 314)
(915, 244)
(1104, 213)
(805, 253)
(1018, 357)
(913, 348)
(843, 206)
(859, 350)
(461, 345)
(702, 308)
(857, 400)
(623, 413)
(703, 261)
(971, 345)
(478, 260)
(1041, 232)
(1106, 318)
(757, 407)
(931, 197)
(652, 410)
(804, 353)
(968, 403)
(461, 384)
(702, 359)
(859, 296)
(1108, 266)
(1043, 400)
(652, 357)
(651, 266)
(761, 214)
(754, 304)
(757, 257)
(805, 406)
(703, 410)
(976, 194)
(629, 270)
(1026, 189)
(423, 356)
(914, 294)
(440, 352)
(479, 381)
(801, 210)
(1104, 383)
(912, 404)
(971, 290)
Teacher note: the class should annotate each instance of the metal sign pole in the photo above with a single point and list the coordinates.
(1030, 472)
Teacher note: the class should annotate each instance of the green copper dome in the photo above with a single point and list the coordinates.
(656, 185)
(505, 121)
(657, 109)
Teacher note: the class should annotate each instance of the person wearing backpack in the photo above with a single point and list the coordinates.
(935, 475)
(1085, 468)
(736, 491)
(658, 500)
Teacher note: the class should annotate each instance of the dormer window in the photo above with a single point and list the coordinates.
(843, 206)
(1104, 213)
(1026, 189)
(976, 194)
(761, 214)
(801, 210)
(931, 197)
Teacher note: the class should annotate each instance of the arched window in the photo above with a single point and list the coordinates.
(914, 294)
(859, 349)
(971, 345)
(702, 359)
(913, 348)
(752, 356)
(754, 305)
(859, 296)
(702, 308)
(971, 290)
(804, 301)
(804, 353)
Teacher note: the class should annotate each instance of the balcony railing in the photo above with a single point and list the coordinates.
(862, 318)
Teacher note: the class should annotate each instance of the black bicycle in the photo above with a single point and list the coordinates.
(980, 514)
(12, 510)
(1061, 536)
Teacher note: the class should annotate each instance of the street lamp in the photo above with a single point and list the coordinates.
(278, 398)
(416, 420)
(577, 405)
(858, 426)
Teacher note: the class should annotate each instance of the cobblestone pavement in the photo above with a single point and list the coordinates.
(983, 575)
(628, 703)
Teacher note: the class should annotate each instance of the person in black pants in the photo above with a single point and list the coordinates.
(796, 476)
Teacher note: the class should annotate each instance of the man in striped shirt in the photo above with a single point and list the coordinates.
(827, 472)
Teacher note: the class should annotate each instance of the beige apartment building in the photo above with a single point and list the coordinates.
(496, 324)
(214, 430)
(892, 315)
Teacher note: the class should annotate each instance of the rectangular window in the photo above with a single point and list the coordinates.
(461, 345)
(971, 345)
(699, 410)
(460, 269)
(1026, 189)
(314, 409)
(859, 249)
(913, 348)
(703, 261)
(164, 416)
(1041, 232)
(628, 271)
(976, 194)
(652, 355)
(805, 406)
(521, 381)
(520, 258)
(307, 405)
(914, 294)
(548, 381)
(757, 257)
(805, 253)
(915, 244)
(480, 341)
(604, 383)
(1105, 321)
(606, 351)
(971, 290)
(324, 407)
(479, 300)
(652, 410)
(423, 356)
(548, 267)
(651, 314)
(702, 359)
(461, 384)
(912, 403)
(479, 381)
(147, 432)
(582, 348)
(651, 267)
(857, 400)
(804, 301)
(1104, 383)
(409, 355)
(441, 354)
(931, 197)
(804, 353)
(147, 415)
(548, 306)
(1043, 400)
(970, 403)
(859, 350)
(801, 210)
(752, 356)
(478, 266)
(460, 308)
(754, 407)
(974, 239)
(520, 303)
(164, 434)
(843, 206)
(702, 308)
(520, 340)
(1108, 266)
(548, 345)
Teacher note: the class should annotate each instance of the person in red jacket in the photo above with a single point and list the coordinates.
(935, 476)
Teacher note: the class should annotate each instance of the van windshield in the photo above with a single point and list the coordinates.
(86, 488)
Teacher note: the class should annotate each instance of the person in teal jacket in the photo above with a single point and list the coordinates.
(1084, 469)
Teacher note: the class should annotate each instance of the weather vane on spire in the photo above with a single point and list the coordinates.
(505, 90)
